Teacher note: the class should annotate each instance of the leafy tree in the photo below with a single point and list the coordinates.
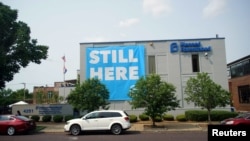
(156, 96)
(17, 49)
(89, 96)
(42, 97)
(206, 93)
(21, 94)
(28, 96)
(39, 97)
(5, 97)
(52, 97)
(55, 97)
(60, 99)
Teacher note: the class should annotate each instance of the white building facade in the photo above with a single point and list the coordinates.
(119, 64)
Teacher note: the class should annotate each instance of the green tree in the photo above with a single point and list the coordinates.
(89, 96)
(28, 96)
(42, 97)
(17, 49)
(39, 97)
(5, 97)
(61, 99)
(205, 93)
(55, 97)
(21, 94)
(156, 96)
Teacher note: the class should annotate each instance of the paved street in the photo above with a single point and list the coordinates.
(167, 130)
(52, 127)
(100, 136)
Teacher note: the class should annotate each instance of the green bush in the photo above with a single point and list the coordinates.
(202, 115)
(57, 118)
(181, 117)
(196, 115)
(158, 119)
(46, 118)
(68, 117)
(133, 118)
(221, 115)
(168, 117)
(144, 117)
(36, 118)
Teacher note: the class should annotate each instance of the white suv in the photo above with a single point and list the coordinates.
(115, 121)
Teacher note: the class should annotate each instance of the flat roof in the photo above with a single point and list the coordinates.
(239, 60)
(161, 40)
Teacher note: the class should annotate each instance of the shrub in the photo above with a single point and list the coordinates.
(196, 115)
(36, 118)
(144, 117)
(68, 117)
(202, 115)
(46, 118)
(58, 118)
(133, 118)
(221, 115)
(168, 117)
(181, 117)
(158, 119)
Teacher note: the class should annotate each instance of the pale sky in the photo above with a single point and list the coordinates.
(64, 24)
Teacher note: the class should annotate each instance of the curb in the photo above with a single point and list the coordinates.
(140, 126)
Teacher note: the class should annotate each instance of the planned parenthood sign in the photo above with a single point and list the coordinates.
(118, 67)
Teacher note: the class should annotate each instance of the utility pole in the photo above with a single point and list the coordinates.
(24, 87)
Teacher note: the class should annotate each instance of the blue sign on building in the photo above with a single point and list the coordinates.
(189, 47)
(118, 67)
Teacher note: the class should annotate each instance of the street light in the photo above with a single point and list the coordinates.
(24, 85)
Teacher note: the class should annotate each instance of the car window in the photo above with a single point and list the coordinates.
(4, 118)
(247, 116)
(242, 116)
(116, 114)
(92, 115)
(23, 118)
(104, 114)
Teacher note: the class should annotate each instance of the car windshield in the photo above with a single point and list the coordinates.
(243, 115)
(23, 118)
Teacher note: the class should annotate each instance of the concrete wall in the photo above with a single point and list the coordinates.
(43, 109)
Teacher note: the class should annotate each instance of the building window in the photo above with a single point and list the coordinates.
(151, 64)
(195, 63)
(240, 69)
(244, 94)
(228, 73)
(50, 94)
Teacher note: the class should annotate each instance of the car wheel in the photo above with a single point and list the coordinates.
(11, 131)
(75, 130)
(116, 129)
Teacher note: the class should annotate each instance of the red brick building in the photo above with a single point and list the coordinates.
(51, 95)
(239, 83)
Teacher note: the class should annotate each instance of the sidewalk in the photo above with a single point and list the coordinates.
(140, 126)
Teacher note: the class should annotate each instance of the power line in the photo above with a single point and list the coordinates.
(29, 84)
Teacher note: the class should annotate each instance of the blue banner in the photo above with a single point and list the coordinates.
(118, 67)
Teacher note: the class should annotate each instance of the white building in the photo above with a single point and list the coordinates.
(119, 64)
